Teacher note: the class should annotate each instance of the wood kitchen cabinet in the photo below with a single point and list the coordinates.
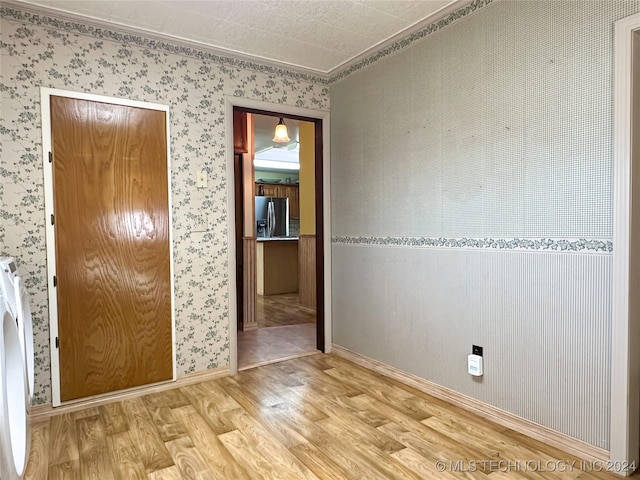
(277, 266)
(267, 190)
(282, 190)
(292, 192)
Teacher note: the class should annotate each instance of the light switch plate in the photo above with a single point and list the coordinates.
(201, 179)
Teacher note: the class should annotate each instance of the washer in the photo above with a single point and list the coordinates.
(17, 299)
(14, 428)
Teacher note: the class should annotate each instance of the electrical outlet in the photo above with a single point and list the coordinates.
(476, 350)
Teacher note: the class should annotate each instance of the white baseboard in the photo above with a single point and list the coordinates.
(534, 430)
(43, 412)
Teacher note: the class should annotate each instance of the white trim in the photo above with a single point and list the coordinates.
(230, 102)
(326, 209)
(45, 105)
(625, 431)
(231, 240)
(544, 434)
(45, 102)
(42, 412)
(48, 92)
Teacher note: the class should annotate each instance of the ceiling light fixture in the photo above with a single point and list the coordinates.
(281, 135)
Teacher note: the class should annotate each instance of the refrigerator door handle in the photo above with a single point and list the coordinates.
(271, 218)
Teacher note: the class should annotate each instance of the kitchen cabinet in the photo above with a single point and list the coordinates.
(268, 189)
(293, 194)
(282, 190)
(240, 132)
(277, 266)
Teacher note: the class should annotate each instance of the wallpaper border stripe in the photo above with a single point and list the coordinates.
(414, 37)
(530, 244)
(15, 13)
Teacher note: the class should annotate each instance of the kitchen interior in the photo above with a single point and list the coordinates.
(282, 151)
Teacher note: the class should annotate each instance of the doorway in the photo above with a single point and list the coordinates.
(277, 279)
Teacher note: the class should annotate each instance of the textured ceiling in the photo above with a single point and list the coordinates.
(317, 36)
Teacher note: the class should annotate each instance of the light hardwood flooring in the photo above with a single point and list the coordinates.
(316, 417)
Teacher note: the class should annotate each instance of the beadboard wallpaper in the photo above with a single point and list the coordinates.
(35, 54)
(472, 200)
(499, 125)
(543, 320)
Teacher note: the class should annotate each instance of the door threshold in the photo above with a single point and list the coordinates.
(278, 360)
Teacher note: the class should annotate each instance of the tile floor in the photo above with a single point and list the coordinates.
(265, 345)
(285, 330)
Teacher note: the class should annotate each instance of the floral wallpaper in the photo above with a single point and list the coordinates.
(35, 54)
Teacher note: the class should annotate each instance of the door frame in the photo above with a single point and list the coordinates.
(45, 103)
(624, 442)
(323, 117)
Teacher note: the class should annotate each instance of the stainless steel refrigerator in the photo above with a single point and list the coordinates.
(272, 217)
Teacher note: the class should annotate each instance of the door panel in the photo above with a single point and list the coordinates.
(111, 204)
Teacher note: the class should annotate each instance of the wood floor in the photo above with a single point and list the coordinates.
(279, 310)
(318, 416)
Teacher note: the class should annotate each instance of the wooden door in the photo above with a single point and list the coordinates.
(111, 207)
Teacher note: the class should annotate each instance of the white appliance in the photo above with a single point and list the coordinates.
(17, 299)
(15, 441)
(14, 428)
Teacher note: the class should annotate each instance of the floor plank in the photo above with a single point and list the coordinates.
(277, 454)
(319, 462)
(153, 453)
(95, 461)
(162, 417)
(221, 462)
(63, 441)
(113, 418)
(170, 473)
(210, 408)
(188, 459)
(65, 471)
(126, 457)
(39, 457)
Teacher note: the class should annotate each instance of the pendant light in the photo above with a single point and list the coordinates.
(281, 135)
